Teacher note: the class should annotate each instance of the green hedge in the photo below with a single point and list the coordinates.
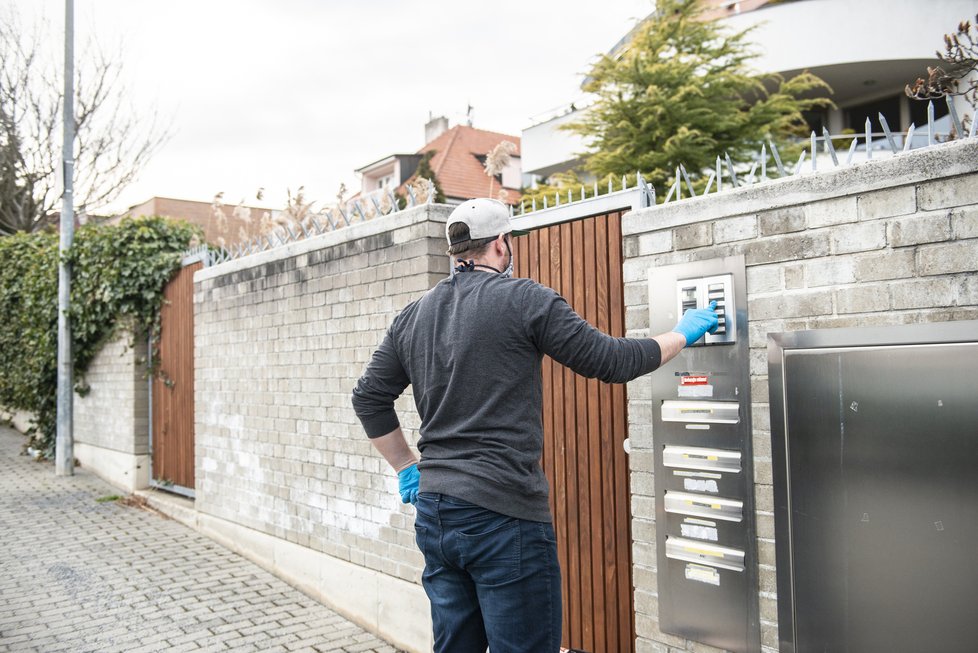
(118, 275)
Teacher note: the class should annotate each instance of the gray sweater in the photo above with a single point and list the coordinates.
(471, 348)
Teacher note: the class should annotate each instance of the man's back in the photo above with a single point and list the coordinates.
(471, 347)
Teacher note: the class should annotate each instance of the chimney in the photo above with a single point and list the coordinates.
(434, 128)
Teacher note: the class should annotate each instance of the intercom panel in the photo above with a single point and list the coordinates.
(698, 292)
(705, 531)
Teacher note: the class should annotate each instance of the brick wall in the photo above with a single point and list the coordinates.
(111, 422)
(881, 243)
(280, 340)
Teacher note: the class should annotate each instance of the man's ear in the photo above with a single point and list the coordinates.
(500, 244)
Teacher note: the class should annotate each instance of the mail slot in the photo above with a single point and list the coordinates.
(722, 557)
(701, 412)
(703, 505)
(711, 460)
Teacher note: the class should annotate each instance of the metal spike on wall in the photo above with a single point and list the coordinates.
(869, 140)
(958, 129)
(750, 175)
(889, 135)
(930, 123)
(672, 191)
(814, 145)
(412, 200)
(830, 147)
(801, 161)
(852, 149)
(719, 174)
(909, 141)
(730, 169)
(359, 209)
(763, 160)
(689, 184)
(777, 158)
(709, 182)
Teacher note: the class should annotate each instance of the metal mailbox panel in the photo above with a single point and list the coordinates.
(705, 536)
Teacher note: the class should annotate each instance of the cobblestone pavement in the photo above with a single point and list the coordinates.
(77, 574)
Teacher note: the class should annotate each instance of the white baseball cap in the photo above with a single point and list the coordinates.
(485, 218)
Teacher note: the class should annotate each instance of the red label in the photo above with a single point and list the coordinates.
(694, 380)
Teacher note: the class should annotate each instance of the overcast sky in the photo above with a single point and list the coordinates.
(283, 93)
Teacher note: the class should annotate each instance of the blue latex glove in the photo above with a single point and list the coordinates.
(407, 484)
(697, 322)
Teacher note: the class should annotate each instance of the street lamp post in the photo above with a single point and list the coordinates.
(64, 457)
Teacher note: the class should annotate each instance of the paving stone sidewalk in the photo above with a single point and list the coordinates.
(81, 575)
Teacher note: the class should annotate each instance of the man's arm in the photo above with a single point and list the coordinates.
(670, 344)
(373, 401)
(567, 338)
(395, 450)
(381, 384)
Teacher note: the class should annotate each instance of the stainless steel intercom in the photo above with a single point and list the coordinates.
(698, 292)
(705, 532)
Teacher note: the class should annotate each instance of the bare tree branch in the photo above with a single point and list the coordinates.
(112, 142)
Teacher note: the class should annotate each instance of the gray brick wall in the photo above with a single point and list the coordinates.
(114, 414)
(885, 242)
(280, 340)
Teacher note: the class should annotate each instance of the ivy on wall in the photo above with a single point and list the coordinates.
(118, 275)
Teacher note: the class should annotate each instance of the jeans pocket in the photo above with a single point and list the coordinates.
(493, 556)
(420, 535)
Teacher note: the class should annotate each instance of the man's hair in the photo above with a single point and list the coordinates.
(458, 232)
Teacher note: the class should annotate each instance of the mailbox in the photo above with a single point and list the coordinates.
(705, 532)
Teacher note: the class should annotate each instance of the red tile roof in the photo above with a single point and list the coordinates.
(456, 164)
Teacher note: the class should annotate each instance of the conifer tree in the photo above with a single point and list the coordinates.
(681, 91)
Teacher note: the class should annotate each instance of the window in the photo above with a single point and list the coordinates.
(918, 111)
(855, 117)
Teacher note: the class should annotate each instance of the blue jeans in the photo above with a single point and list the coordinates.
(492, 580)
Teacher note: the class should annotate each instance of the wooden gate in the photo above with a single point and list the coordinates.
(172, 434)
(585, 425)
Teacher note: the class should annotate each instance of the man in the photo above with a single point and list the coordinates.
(471, 347)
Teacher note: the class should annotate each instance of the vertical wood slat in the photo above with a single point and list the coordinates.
(173, 388)
(585, 424)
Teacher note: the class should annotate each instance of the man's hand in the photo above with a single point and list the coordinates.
(407, 484)
(697, 322)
